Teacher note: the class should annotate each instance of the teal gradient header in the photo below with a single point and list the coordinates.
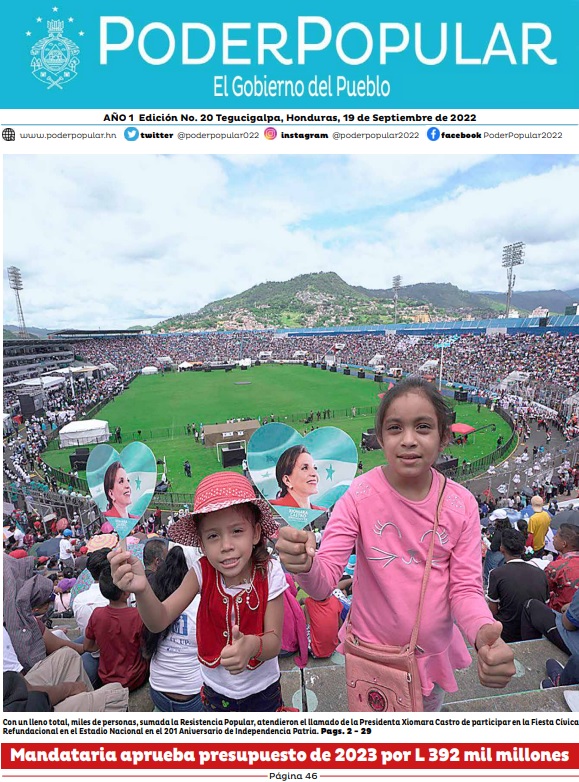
(116, 54)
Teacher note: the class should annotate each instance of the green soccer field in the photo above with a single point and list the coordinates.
(156, 409)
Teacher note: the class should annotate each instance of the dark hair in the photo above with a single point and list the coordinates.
(154, 549)
(260, 555)
(570, 534)
(96, 560)
(513, 542)
(109, 481)
(503, 524)
(523, 526)
(416, 385)
(107, 586)
(166, 580)
(285, 465)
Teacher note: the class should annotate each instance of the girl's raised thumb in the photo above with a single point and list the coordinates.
(311, 544)
(491, 633)
(236, 634)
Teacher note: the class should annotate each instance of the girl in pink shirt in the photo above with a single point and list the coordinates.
(388, 515)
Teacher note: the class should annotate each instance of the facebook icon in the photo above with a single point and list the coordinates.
(433, 134)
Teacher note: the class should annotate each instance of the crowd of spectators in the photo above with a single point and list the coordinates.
(485, 358)
(482, 361)
(22, 455)
(65, 403)
(548, 362)
(531, 570)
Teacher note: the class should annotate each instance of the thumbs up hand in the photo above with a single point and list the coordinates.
(239, 652)
(296, 549)
(496, 661)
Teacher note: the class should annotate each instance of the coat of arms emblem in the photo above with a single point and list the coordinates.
(54, 58)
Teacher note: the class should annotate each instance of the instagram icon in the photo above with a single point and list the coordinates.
(270, 133)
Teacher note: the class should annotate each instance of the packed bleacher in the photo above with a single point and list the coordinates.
(549, 363)
(477, 360)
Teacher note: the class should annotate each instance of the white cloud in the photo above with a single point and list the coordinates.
(106, 241)
(460, 240)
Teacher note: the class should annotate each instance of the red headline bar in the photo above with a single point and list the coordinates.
(29, 756)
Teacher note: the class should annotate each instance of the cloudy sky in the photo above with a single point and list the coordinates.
(114, 241)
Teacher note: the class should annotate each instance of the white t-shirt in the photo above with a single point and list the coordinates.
(175, 666)
(85, 603)
(66, 549)
(249, 682)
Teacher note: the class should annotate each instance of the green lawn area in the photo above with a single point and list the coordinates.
(161, 406)
(171, 401)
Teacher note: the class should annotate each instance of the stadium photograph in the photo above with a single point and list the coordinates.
(407, 326)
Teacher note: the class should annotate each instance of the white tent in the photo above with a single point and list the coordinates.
(515, 377)
(149, 371)
(76, 370)
(47, 381)
(84, 432)
(186, 364)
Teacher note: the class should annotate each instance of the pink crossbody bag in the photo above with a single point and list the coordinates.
(386, 678)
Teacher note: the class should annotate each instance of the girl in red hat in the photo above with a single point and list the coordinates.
(240, 617)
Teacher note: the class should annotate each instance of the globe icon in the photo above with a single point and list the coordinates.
(8, 134)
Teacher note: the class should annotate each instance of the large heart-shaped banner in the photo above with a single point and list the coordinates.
(122, 485)
(301, 477)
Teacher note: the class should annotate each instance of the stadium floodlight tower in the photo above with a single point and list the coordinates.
(15, 282)
(396, 285)
(513, 255)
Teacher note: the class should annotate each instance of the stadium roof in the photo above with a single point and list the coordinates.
(562, 323)
(96, 332)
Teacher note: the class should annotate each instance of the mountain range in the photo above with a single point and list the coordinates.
(325, 299)
(554, 300)
(11, 332)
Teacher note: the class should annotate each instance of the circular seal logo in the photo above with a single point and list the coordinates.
(54, 58)
(377, 701)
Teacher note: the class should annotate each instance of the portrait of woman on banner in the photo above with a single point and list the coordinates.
(117, 489)
(297, 478)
